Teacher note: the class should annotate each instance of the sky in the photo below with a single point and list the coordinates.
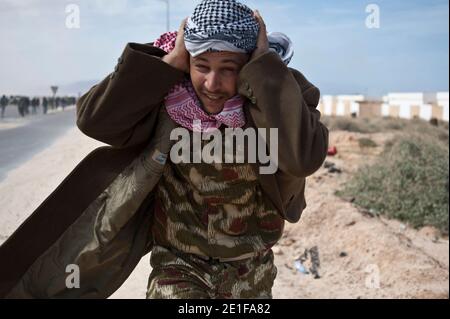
(334, 48)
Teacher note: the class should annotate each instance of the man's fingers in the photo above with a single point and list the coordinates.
(262, 44)
(180, 35)
(260, 20)
(262, 36)
(183, 23)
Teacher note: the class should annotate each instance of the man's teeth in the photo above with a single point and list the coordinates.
(213, 97)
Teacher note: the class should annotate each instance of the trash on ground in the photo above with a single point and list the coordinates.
(309, 262)
(332, 151)
(332, 167)
(299, 266)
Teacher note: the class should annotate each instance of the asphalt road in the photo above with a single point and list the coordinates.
(18, 144)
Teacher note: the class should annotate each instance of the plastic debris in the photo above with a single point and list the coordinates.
(299, 266)
(327, 164)
(332, 151)
(332, 167)
(309, 262)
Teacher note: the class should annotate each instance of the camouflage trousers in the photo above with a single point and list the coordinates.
(178, 275)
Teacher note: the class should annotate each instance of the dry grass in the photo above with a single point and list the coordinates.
(410, 179)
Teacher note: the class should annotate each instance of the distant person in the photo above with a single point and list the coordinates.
(27, 105)
(34, 105)
(3, 104)
(14, 100)
(21, 106)
(44, 105)
(52, 102)
(64, 102)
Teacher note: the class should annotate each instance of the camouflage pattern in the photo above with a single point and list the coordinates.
(178, 275)
(213, 210)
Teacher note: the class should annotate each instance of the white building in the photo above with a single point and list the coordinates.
(442, 101)
(327, 105)
(348, 104)
(340, 105)
(421, 105)
(398, 105)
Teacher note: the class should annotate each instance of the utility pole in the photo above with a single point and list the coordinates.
(168, 14)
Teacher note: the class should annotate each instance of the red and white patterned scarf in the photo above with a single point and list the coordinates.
(184, 107)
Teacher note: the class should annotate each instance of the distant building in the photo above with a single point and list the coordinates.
(348, 104)
(327, 105)
(397, 105)
(442, 101)
(340, 105)
(416, 105)
(370, 108)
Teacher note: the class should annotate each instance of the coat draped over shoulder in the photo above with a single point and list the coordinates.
(99, 217)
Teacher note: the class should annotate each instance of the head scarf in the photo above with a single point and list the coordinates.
(227, 25)
(221, 25)
(281, 44)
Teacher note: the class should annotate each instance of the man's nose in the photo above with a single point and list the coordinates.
(212, 82)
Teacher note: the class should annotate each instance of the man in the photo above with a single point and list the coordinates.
(211, 225)
(22, 106)
(34, 105)
(204, 247)
(44, 105)
(3, 104)
(63, 102)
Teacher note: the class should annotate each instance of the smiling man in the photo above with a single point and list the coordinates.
(214, 226)
(210, 226)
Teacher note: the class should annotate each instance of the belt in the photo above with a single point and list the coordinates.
(228, 259)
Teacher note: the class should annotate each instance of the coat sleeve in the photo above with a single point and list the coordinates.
(284, 99)
(118, 110)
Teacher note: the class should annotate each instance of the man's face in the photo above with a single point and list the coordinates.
(214, 76)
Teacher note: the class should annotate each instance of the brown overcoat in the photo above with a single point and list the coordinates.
(98, 221)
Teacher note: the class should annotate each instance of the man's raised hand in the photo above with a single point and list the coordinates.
(179, 57)
(262, 45)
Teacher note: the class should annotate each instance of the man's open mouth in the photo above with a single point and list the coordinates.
(212, 97)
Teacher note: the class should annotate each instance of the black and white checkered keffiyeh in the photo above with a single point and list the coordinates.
(221, 25)
(228, 25)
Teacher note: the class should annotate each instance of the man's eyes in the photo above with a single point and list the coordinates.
(206, 68)
(230, 69)
(202, 67)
